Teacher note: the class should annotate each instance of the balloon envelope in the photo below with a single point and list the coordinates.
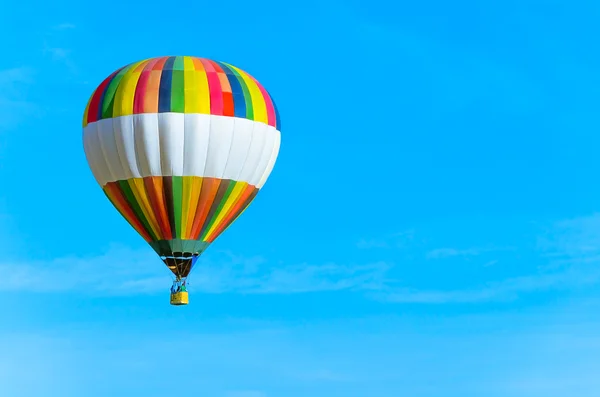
(181, 146)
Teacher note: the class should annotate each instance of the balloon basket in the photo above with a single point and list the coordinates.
(179, 298)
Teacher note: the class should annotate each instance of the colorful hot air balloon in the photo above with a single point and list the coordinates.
(181, 146)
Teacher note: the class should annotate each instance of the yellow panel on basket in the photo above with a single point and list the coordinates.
(180, 298)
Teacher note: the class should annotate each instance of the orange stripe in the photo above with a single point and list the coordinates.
(210, 186)
(196, 188)
(198, 64)
(154, 189)
(151, 94)
(225, 86)
(141, 66)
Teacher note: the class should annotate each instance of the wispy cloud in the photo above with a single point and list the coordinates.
(572, 238)
(246, 393)
(449, 252)
(10, 77)
(123, 271)
(14, 104)
(534, 354)
(60, 54)
(372, 243)
(572, 261)
(55, 46)
(397, 240)
(506, 290)
(64, 26)
(441, 253)
(57, 53)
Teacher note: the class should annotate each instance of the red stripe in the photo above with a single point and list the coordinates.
(214, 88)
(208, 191)
(215, 66)
(160, 63)
(142, 85)
(228, 107)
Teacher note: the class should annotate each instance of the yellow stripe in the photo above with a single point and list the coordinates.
(139, 191)
(258, 102)
(123, 105)
(195, 83)
(202, 93)
(231, 200)
(187, 187)
(193, 205)
(188, 63)
(190, 83)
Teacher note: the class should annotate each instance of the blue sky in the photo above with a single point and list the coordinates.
(431, 227)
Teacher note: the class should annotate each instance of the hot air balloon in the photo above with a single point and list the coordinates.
(180, 146)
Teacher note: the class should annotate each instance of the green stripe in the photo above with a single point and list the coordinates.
(177, 92)
(128, 193)
(177, 201)
(108, 102)
(219, 208)
(247, 96)
(178, 63)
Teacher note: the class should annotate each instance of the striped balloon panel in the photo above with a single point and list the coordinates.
(180, 210)
(181, 84)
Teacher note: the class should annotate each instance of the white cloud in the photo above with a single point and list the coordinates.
(246, 393)
(572, 238)
(14, 104)
(397, 240)
(441, 253)
(56, 46)
(572, 262)
(371, 243)
(124, 271)
(519, 355)
(58, 54)
(61, 55)
(64, 26)
(448, 252)
(509, 289)
(10, 77)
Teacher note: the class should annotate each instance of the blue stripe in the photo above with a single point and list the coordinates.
(164, 90)
(246, 94)
(101, 102)
(277, 119)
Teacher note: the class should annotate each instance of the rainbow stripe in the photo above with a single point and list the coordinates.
(180, 213)
(181, 84)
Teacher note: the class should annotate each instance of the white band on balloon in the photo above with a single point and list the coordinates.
(178, 144)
